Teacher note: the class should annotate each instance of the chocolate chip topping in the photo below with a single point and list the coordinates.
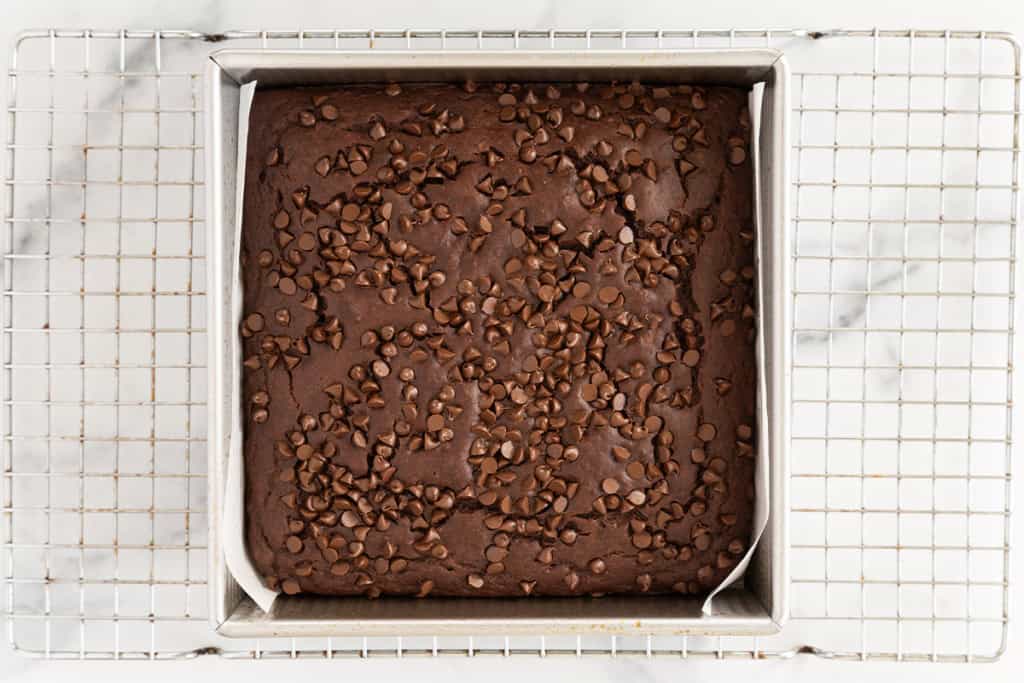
(498, 339)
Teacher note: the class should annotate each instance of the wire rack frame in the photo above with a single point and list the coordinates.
(905, 202)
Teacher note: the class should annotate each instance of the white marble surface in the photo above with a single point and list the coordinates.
(847, 312)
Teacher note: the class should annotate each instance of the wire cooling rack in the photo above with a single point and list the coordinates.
(905, 198)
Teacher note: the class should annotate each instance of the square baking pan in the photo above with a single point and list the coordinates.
(756, 604)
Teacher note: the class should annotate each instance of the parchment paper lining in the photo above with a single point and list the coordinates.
(236, 554)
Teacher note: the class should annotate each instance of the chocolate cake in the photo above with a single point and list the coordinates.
(498, 339)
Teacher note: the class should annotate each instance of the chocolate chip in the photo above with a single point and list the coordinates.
(707, 432)
(552, 93)
(607, 295)
(287, 286)
(636, 497)
(350, 212)
(294, 544)
(281, 219)
(495, 553)
(307, 119)
(254, 321)
(380, 369)
(329, 112)
(650, 170)
(691, 358)
(635, 470)
(597, 566)
(662, 114)
(377, 131)
(610, 486)
(642, 540)
(737, 155)
(290, 586)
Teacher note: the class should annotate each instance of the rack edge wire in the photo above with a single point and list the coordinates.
(719, 648)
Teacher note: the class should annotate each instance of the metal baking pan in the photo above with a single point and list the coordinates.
(758, 603)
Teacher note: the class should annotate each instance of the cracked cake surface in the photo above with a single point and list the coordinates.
(498, 339)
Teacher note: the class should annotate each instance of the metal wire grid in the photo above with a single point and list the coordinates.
(905, 201)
